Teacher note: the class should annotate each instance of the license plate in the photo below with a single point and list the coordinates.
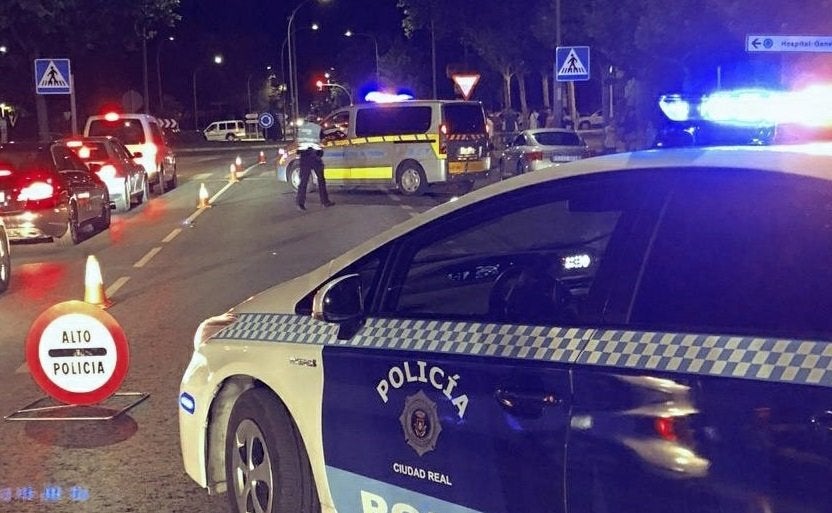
(466, 167)
(564, 158)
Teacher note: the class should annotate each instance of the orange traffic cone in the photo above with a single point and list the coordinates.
(232, 174)
(262, 158)
(203, 197)
(239, 163)
(94, 292)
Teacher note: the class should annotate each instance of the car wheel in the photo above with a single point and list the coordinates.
(584, 125)
(103, 221)
(230, 137)
(161, 178)
(72, 235)
(266, 466)
(411, 179)
(173, 182)
(5, 261)
(124, 203)
(293, 175)
(145, 194)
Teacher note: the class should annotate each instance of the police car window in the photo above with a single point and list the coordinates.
(741, 251)
(463, 118)
(368, 268)
(527, 257)
(392, 120)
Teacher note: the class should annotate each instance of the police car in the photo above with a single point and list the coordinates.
(643, 332)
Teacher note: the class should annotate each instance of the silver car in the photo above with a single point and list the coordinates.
(538, 148)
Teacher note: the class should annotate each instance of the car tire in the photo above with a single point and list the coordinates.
(161, 179)
(230, 137)
(124, 203)
(293, 175)
(173, 182)
(102, 222)
(502, 169)
(145, 193)
(72, 235)
(263, 441)
(464, 187)
(411, 179)
(5, 260)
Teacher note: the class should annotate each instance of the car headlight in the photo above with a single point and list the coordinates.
(211, 326)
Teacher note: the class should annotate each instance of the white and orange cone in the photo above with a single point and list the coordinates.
(238, 162)
(262, 158)
(94, 292)
(232, 174)
(203, 197)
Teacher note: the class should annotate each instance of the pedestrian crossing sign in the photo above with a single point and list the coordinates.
(571, 63)
(52, 76)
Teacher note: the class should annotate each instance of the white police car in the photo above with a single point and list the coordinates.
(644, 332)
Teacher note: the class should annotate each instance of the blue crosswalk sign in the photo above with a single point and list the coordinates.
(571, 63)
(52, 76)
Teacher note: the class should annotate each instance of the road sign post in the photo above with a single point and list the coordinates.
(78, 355)
(54, 76)
(571, 65)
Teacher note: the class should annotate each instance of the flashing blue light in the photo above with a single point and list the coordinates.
(379, 97)
(675, 107)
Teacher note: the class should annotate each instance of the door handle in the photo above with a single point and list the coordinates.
(526, 404)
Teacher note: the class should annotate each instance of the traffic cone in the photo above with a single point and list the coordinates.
(203, 197)
(262, 158)
(232, 174)
(94, 292)
(238, 162)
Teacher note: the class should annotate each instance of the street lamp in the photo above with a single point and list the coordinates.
(3, 49)
(350, 33)
(293, 71)
(159, 72)
(217, 60)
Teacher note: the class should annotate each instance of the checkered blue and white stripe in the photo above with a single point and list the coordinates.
(781, 360)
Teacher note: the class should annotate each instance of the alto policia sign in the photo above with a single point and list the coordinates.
(77, 353)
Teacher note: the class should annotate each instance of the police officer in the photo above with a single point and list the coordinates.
(310, 151)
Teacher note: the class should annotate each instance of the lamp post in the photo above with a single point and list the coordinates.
(283, 48)
(159, 72)
(217, 60)
(350, 33)
(293, 68)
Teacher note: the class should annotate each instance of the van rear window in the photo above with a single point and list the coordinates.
(392, 120)
(128, 131)
(463, 118)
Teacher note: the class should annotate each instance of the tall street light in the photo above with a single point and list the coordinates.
(350, 33)
(159, 72)
(293, 70)
(217, 60)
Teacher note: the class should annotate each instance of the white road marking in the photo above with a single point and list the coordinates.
(145, 259)
(23, 369)
(407, 207)
(172, 235)
(201, 176)
(112, 289)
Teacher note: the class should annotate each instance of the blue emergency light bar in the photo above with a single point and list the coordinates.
(380, 97)
(753, 107)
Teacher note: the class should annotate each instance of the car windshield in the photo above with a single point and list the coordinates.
(128, 131)
(557, 138)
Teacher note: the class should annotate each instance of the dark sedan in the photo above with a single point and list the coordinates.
(47, 192)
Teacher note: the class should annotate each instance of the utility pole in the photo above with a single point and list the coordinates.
(558, 104)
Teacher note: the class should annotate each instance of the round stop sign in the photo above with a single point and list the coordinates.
(77, 353)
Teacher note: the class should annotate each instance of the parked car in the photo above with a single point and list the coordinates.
(107, 157)
(594, 120)
(228, 130)
(541, 147)
(47, 192)
(141, 134)
(5, 258)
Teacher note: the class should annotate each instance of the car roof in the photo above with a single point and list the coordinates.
(535, 131)
(127, 115)
(813, 160)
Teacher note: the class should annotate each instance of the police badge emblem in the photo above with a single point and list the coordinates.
(420, 423)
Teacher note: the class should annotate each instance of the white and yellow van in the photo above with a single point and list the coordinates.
(407, 145)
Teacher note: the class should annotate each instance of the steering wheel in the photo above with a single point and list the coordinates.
(526, 293)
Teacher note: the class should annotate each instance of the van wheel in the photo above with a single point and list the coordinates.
(266, 466)
(410, 178)
(173, 182)
(230, 137)
(145, 194)
(293, 175)
(5, 261)
(124, 203)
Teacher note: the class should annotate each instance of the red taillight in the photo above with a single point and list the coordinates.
(36, 191)
(5, 172)
(107, 172)
(74, 144)
(533, 155)
(443, 142)
(111, 116)
(666, 428)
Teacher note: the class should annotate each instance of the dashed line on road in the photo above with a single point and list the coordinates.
(112, 289)
(145, 259)
(172, 235)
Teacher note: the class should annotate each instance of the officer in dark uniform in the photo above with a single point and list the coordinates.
(311, 151)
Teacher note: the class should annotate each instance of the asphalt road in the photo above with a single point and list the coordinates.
(167, 266)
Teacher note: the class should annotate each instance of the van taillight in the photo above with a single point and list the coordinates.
(443, 139)
(5, 172)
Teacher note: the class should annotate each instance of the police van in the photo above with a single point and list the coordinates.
(408, 145)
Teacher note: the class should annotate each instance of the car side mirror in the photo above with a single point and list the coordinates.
(137, 155)
(339, 301)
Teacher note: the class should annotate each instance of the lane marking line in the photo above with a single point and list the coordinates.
(407, 207)
(216, 196)
(172, 235)
(145, 259)
(112, 289)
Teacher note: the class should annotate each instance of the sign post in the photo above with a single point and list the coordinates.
(54, 76)
(78, 355)
(571, 65)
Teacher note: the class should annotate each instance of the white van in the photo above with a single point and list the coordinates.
(228, 130)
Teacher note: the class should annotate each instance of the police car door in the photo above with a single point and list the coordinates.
(455, 395)
(337, 152)
(718, 396)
